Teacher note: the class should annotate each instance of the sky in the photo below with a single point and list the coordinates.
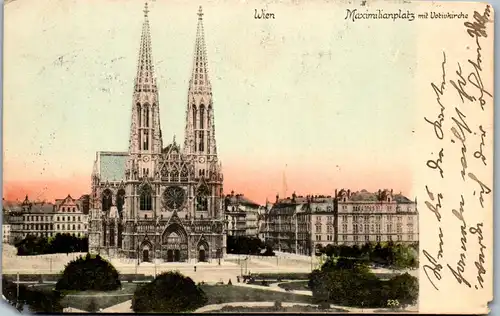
(308, 96)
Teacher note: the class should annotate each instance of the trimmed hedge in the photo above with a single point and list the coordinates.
(89, 273)
(170, 292)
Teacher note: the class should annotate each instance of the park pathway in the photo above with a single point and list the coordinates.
(125, 307)
(216, 307)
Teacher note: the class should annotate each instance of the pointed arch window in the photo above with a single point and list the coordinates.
(120, 201)
(208, 142)
(174, 175)
(146, 115)
(202, 116)
(201, 144)
(103, 233)
(107, 200)
(194, 115)
(145, 198)
(146, 140)
(139, 114)
(202, 194)
(184, 174)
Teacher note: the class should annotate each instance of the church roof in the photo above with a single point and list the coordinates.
(112, 165)
(235, 199)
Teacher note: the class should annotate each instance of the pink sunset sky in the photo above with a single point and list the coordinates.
(317, 106)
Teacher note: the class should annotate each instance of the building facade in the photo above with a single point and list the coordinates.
(6, 238)
(242, 216)
(302, 224)
(43, 219)
(155, 201)
(69, 217)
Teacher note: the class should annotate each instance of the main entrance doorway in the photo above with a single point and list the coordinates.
(174, 243)
(170, 255)
(145, 255)
(201, 255)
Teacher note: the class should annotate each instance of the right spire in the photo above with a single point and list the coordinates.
(199, 82)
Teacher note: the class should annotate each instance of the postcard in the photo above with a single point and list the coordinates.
(251, 156)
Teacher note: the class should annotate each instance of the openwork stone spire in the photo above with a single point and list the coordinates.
(145, 131)
(145, 79)
(199, 82)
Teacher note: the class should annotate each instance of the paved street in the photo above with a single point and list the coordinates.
(232, 266)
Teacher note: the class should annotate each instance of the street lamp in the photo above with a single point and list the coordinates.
(137, 262)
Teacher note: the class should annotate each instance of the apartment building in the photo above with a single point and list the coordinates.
(242, 216)
(43, 219)
(301, 224)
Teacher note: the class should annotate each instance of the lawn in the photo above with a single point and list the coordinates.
(282, 276)
(295, 286)
(218, 294)
(272, 309)
(82, 300)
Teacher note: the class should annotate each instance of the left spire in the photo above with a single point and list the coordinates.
(145, 131)
(145, 80)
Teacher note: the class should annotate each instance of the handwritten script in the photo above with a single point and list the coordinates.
(450, 121)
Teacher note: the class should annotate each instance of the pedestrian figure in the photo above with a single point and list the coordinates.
(194, 268)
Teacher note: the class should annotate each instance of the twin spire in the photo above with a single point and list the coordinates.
(145, 80)
(199, 82)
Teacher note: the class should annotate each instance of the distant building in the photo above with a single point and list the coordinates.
(43, 219)
(242, 216)
(69, 217)
(6, 228)
(300, 224)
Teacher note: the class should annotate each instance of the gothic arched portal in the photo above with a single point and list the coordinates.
(174, 242)
(203, 251)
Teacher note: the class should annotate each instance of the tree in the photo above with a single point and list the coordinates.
(89, 273)
(404, 289)
(169, 292)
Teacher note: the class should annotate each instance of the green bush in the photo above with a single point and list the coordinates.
(387, 254)
(170, 292)
(89, 273)
(350, 283)
(404, 289)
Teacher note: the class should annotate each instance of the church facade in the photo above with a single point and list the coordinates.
(156, 201)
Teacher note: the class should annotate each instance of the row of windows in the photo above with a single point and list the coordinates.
(37, 226)
(50, 227)
(366, 238)
(33, 218)
(49, 234)
(69, 209)
(39, 218)
(71, 227)
(78, 218)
